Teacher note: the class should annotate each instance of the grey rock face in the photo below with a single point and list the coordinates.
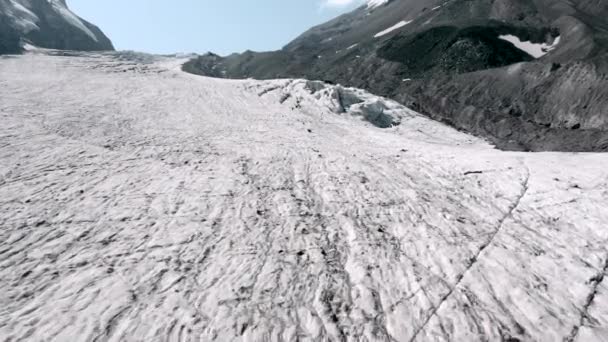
(9, 38)
(447, 59)
(48, 24)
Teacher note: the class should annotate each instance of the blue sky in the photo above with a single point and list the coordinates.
(221, 26)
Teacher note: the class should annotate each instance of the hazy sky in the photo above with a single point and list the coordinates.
(221, 26)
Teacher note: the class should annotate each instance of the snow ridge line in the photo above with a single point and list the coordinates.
(595, 281)
(475, 258)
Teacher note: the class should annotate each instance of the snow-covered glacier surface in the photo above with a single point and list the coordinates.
(139, 203)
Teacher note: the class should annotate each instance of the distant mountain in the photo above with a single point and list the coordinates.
(49, 24)
(526, 74)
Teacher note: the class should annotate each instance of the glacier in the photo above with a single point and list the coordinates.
(141, 203)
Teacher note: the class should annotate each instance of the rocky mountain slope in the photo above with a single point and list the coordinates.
(49, 24)
(141, 203)
(529, 75)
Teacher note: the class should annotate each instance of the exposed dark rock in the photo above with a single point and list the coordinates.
(9, 41)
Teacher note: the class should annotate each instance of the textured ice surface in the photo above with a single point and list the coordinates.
(138, 203)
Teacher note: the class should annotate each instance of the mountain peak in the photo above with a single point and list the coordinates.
(49, 24)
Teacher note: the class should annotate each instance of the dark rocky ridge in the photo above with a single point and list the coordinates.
(47, 24)
(9, 38)
(457, 70)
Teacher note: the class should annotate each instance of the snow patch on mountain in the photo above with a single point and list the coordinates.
(376, 3)
(392, 28)
(60, 7)
(22, 18)
(536, 50)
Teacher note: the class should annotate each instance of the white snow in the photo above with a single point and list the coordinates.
(30, 47)
(535, 50)
(392, 28)
(376, 3)
(352, 46)
(139, 203)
